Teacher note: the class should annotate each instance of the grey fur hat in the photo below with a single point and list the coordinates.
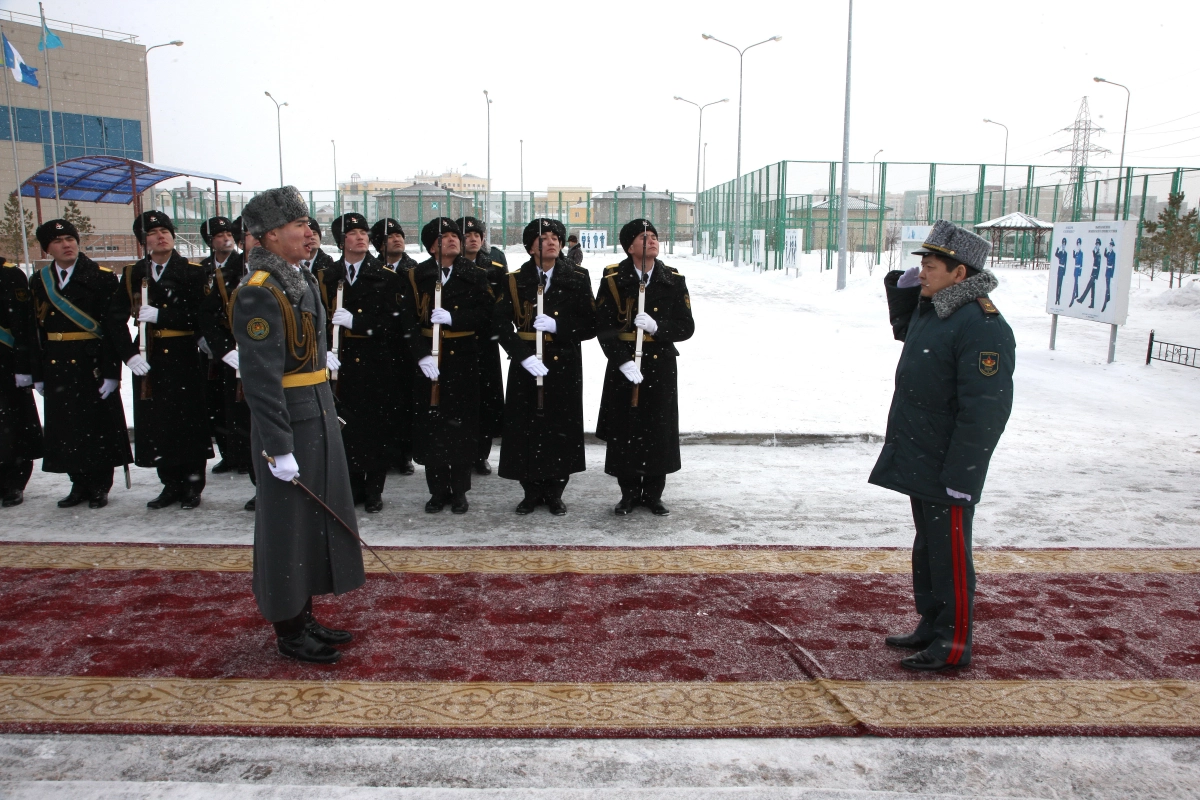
(947, 239)
(273, 209)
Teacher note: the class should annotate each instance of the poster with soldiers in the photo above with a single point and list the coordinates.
(593, 240)
(704, 245)
(758, 249)
(792, 238)
(720, 246)
(1091, 267)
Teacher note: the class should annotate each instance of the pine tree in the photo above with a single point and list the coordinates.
(10, 231)
(1173, 242)
(74, 215)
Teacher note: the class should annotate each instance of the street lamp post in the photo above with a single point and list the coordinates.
(337, 192)
(279, 132)
(737, 181)
(149, 127)
(843, 210)
(487, 197)
(1004, 180)
(1124, 128)
(699, 148)
(873, 163)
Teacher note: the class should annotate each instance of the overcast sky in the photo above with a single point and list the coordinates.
(589, 86)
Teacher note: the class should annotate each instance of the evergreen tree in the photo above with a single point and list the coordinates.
(10, 231)
(1173, 242)
(74, 215)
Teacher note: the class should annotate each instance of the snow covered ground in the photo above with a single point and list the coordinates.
(1096, 454)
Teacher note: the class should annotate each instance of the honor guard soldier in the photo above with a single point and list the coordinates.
(446, 301)
(223, 265)
(300, 550)
(639, 408)
(491, 381)
(543, 415)
(81, 326)
(954, 392)
(170, 413)
(365, 364)
(388, 239)
(237, 411)
(317, 259)
(20, 428)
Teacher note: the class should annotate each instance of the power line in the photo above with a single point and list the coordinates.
(1161, 146)
(1168, 122)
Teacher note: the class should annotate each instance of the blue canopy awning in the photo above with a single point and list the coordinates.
(106, 179)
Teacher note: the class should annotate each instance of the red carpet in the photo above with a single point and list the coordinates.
(607, 650)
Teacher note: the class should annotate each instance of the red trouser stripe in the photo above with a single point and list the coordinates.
(958, 552)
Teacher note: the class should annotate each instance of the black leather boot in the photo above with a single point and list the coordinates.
(169, 496)
(304, 646)
(73, 499)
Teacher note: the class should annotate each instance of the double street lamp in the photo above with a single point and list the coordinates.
(487, 196)
(279, 132)
(1124, 128)
(699, 148)
(737, 181)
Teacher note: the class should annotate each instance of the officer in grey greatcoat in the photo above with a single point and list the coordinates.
(279, 323)
(954, 392)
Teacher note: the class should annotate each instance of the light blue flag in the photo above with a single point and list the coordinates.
(21, 71)
(49, 40)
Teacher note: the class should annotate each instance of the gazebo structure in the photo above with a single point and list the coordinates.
(105, 179)
(1027, 248)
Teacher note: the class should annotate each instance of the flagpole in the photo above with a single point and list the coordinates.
(50, 101)
(12, 131)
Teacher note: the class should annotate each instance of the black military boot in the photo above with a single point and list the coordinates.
(222, 466)
(169, 496)
(435, 504)
(374, 504)
(73, 499)
(190, 500)
(909, 641)
(483, 467)
(628, 501)
(556, 505)
(13, 497)
(304, 646)
(459, 504)
(528, 504)
(656, 506)
(407, 467)
(251, 504)
(323, 634)
(927, 662)
(97, 498)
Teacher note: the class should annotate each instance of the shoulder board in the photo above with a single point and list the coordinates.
(498, 264)
(259, 277)
(389, 268)
(673, 270)
(987, 305)
(104, 269)
(612, 267)
(11, 266)
(131, 266)
(195, 264)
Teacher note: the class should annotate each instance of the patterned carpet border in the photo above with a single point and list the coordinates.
(776, 708)
(616, 561)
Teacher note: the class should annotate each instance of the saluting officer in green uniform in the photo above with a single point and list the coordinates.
(954, 392)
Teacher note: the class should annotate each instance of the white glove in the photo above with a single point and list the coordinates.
(958, 495)
(110, 385)
(910, 278)
(646, 323)
(24, 380)
(630, 370)
(440, 316)
(40, 388)
(231, 358)
(148, 314)
(332, 362)
(138, 365)
(545, 323)
(344, 318)
(428, 365)
(203, 345)
(285, 467)
(534, 367)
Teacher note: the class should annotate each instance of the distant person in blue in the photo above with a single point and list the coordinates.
(1091, 284)
(1078, 255)
(1110, 257)
(1061, 254)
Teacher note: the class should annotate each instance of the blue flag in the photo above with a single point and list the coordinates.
(49, 40)
(21, 71)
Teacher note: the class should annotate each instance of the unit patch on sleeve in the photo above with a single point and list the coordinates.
(989, 363)
(257, 329)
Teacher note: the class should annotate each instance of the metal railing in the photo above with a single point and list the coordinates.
(69, 27)
(1172, 353)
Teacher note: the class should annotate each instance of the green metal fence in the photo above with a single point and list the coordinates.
(884, 196)
(672, 213)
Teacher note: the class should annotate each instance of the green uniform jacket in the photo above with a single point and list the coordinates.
(954, 390)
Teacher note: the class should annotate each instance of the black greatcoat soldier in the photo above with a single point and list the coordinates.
(316, 259)
(491, 380)
(223, 271)
(954, 393)
(388, 239)
(279, 323)
(170, 410)
(81, 326)
(639, 408)
(369, 318)
(446, 384)
(543, 419)
(20, 428)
